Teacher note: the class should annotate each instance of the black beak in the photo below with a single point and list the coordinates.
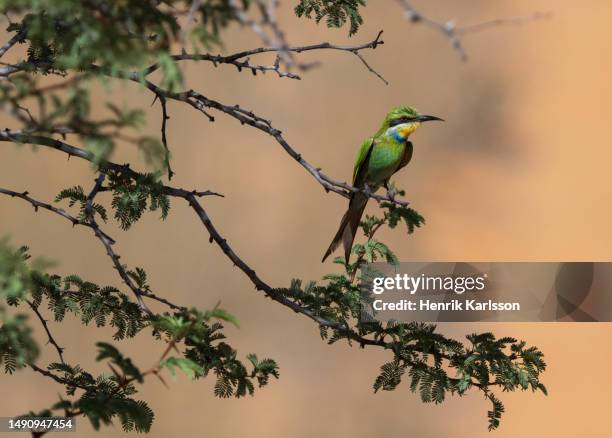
(428, 119)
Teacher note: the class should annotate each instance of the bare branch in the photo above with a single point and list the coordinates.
(260, 285)
(369, 67)
(485, 25)
(241, 59)
(17, 38)
(52, 341)
(199, 101)
(453, 32)
(165, 117)
(218, 59)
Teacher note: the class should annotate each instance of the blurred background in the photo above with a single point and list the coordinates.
(519, 172)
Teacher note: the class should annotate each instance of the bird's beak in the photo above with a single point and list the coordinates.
(427, 118)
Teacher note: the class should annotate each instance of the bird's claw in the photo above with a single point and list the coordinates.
(391, 191)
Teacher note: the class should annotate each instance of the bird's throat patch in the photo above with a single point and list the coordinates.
(401, 132)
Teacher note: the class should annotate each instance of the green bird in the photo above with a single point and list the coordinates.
(378, 159)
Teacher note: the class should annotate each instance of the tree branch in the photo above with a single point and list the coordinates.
(43, 321)
(165, 117)
(17, 38)
(106, 240)
(108, 244)
(452, 32)
(57, 378)
(238, 59)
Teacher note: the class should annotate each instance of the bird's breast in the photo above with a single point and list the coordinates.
(385, 158)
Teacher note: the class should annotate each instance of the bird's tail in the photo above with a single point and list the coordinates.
(348, 226)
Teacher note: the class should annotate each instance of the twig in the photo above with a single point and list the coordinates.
(195, 5)
(43, 321)
(18, 37)
(165, 117)
(485, 25)
(237, 59)
(452, 31)
(369, 67)
(57, 378)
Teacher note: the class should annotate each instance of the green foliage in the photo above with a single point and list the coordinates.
(206, 352)
(103, 305)
(110, 397)
(372, 250)
(395, 214)
(133, 192)
(76, 195)
(17, 346)
(335, 12)
(71, 34)
(127, 367)
(191, 369)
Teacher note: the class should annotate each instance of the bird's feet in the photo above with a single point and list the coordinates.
(366, 190)
(391, 190)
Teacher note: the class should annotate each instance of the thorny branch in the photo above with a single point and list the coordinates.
(43, 321)
(199, 102)
(241, 59)
(106, 240)
(108, 244)
(55, 377)
(164, 138)
(268, 19)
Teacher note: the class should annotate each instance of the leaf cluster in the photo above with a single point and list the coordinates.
(335, 12)
(17, 345)
(133, 193)
(206, 351)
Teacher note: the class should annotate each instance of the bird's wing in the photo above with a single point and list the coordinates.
(361, 162)
(407, 156)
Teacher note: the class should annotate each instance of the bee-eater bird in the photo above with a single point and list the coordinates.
(378, 159)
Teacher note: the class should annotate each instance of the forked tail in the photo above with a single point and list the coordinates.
(348, 226)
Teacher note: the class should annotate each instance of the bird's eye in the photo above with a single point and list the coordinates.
(398, 121)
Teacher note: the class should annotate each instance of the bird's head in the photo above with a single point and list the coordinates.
(402, 121)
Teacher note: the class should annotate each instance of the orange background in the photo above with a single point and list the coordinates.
(520, 171)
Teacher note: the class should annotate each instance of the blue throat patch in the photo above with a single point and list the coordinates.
(395, 135)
